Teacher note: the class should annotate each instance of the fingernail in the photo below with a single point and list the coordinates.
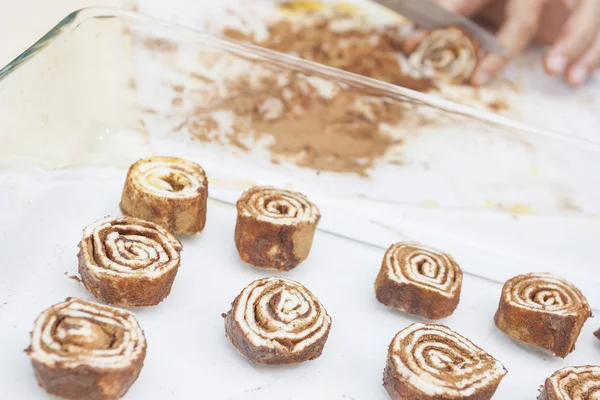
(557, 63)
(578, 75)
(481, 78)
(447, 4)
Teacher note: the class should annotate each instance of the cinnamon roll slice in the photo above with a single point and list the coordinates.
(433, 362)
(543, 310)
(275, 227)
(572, 383)
(446, 55)
(277, 321)
(128, 262)
(419, 280)
(83, 350)
(168, 191)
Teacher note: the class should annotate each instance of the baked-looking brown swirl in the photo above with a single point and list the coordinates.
(277, 321)
(543, 310)
(128, 262)
(433, 362)
(573, 383)
(84, 350)
(275, 227)
(419, 280)
(168, 191)
(446, 55)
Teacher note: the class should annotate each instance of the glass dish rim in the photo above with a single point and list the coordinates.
(69, 23)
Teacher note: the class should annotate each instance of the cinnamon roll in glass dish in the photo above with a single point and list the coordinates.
(572, 383)
(128, 262)
(433, 362)
(275, 227)
(84, 350)
(168, 191)
(543, 310)
(419, 280)
(448, 55)
(277, 321)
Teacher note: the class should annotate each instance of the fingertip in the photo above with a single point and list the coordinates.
(451, 5)
(463, 7)
(414, 41)
(555, 62)
(488, 69)
(481, 78)
(577, 75)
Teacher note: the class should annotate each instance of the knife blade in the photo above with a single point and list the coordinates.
(430, 15)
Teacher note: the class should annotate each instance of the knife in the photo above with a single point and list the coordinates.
(430, 15)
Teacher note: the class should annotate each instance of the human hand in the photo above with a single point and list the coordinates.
(570, 27)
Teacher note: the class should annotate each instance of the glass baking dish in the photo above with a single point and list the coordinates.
(107, 86)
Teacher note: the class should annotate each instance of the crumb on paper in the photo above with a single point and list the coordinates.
(254, 389)
(159, 44)
(430, 203)
(75, 278)
(569, 204)
(534, 170)
(498, 105)
(513, 208)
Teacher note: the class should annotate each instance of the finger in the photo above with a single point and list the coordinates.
(579, 72)
(464, 7)
(414, 40)
(577, 35)
(522, 21)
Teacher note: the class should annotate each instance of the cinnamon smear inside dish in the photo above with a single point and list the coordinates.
(306, 120)
(337, 42)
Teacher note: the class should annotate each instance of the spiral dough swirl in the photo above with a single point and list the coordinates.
(446, 55)
(170, 179)
(544, 292)
(278, 206)
(279, 321)
(130, 246)
(573, 383)
(419, 280)
(127, 261)
(423, 266)
(432, 360)
(79, 332)
(543, 310)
